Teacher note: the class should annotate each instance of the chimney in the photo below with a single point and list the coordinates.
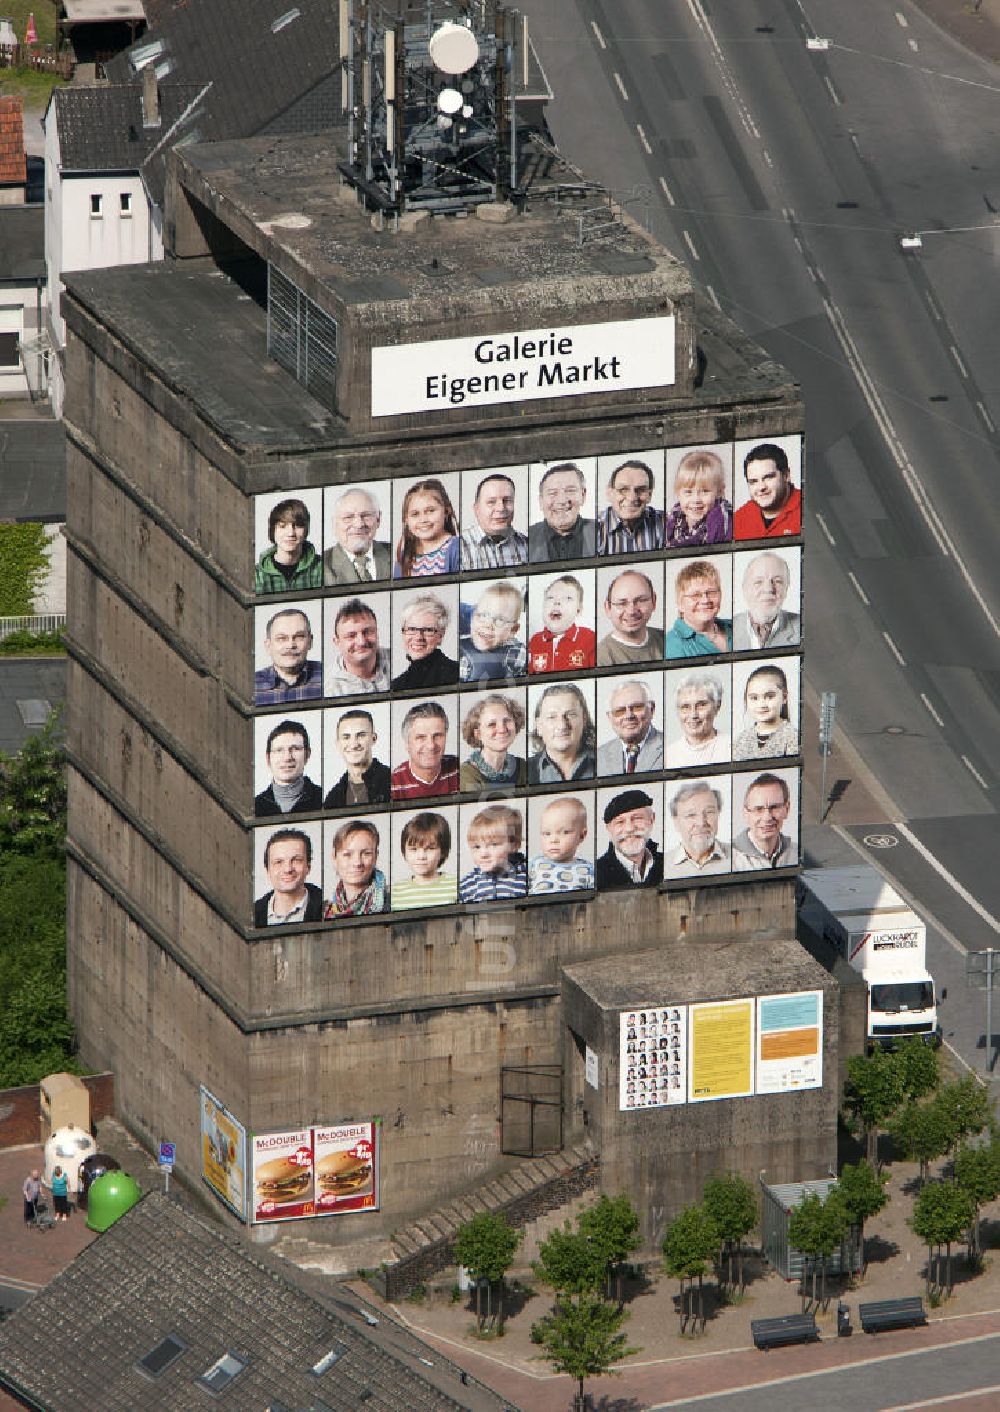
(150, 97)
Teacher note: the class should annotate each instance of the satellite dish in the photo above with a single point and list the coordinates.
(468, 110)
(453, 48)
(449, 101)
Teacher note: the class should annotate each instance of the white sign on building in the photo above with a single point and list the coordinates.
(523, 367)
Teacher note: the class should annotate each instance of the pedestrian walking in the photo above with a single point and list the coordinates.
(32, 1189)
(60, 1194)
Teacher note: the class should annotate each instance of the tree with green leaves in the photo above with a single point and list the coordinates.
(583, 1338)
(569, 1262)
(33, 795)
(486, 1246)
(967, 1108)
(816, 1227)
(920, 1066)
(977, 1171)
(689, 1247)
(612, 1226)
(924, 1133)
(731, 1202)
(942, 1214)
(862, 1194)
(874, 1092)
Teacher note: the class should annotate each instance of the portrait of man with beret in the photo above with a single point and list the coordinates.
(632, 858)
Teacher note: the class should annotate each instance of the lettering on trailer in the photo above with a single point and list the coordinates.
(613, 357)
(888, 941)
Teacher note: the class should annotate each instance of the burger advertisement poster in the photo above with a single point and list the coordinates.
(315, 1172)
(345, 1170)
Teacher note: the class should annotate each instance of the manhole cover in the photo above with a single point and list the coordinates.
(880, 840)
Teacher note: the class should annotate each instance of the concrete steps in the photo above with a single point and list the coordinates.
(537, 1194)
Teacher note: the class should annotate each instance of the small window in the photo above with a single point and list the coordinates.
(325, 1363)
(158, 1359)
(223, 1371)
(96, 206)
(9, 353)
(125, 205)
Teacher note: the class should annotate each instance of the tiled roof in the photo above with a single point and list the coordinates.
(13, 168)
(101, 127)
(257, 74)
(161, 1271)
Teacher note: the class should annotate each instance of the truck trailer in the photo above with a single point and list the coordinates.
(884, 940)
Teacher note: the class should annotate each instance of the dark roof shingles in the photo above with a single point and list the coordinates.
(162, 1270)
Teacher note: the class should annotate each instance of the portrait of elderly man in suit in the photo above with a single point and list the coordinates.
(356, 556)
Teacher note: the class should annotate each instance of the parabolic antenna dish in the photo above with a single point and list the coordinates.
(453, 48)
(449, 101)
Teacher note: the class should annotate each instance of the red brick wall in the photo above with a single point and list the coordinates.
(20, 1123)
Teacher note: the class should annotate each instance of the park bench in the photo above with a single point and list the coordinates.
(892, 1314)
(790, 1328)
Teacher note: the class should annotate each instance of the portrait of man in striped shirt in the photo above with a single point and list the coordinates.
(427, 770)
(631, 523)
(491, 541)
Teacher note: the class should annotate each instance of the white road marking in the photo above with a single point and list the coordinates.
(621, 87)
(597, 34)
(860, 591)
(910, 478)
(986, 417)
(643, 139)
(667, 192)
(958, 359)
(930, 706)
(713, 296)
(690, 245)
(914, 46)
(949, 878)
(831, 90)
(894, 649)
(948, 1397)
(823, 526)
(973, 771)
(901, 20)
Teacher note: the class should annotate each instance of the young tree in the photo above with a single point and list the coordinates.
(612, 1226)
(862, 1194)
(486, 1246)
(583, 1338)
(33, 795)
(977, 1171)
(816, 1227)
(731, 1202)
(942, 1213)
(874, 1092)
(920, 1067)
(967, 1108)
(689, 1246)
(924, 1132)
(570, 1263)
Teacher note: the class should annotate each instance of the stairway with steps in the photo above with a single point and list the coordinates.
(522, 1195)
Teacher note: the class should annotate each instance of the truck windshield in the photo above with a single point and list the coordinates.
(902, 996)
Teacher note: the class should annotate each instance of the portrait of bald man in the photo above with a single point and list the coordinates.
(766, 622)
(356, 555)
(637, 745)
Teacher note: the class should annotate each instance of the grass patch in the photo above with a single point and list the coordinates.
(44, 11)
(33, 86)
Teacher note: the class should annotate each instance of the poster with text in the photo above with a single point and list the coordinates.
(721, 1059)
(790, 1042)
(652, 1059)
(282, 1175)
(223, 1153)
(345, 1172)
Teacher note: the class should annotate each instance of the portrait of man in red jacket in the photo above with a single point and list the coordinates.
(775, 505)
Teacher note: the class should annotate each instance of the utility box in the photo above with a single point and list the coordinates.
(64, 1102)
(777, 1204)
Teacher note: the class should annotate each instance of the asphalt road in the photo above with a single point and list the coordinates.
(784, 177)
(957, 1376)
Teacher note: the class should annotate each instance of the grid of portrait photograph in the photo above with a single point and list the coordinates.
(446, 643)
(505, 848)
(544, 513)
(653, 1057)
